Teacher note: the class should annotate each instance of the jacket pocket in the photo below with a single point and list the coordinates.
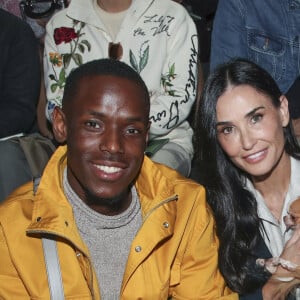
(12, 288)
(268, 52)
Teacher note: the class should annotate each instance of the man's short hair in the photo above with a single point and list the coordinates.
(100, 67)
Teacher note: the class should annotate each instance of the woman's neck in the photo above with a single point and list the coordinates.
(114, 6)
(274, 186)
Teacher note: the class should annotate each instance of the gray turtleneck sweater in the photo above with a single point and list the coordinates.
(108, 238)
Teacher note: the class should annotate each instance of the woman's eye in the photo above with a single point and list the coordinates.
(256, 118)
(227, 130)
(92, 124)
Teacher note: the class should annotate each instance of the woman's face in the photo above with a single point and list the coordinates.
(250, 129)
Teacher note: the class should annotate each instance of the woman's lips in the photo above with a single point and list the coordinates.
(256, 157)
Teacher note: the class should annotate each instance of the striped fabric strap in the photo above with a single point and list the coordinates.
(53, 269)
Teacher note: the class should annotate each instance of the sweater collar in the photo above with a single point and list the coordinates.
(52, 209)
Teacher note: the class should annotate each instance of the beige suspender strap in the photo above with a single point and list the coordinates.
(53, 269)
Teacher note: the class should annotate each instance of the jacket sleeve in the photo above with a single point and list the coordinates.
(172, 105)
(20, 84)
(229, 37)
(54, 97)
(10, 282)
(199, 275)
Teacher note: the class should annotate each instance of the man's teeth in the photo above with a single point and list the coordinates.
(107, 169)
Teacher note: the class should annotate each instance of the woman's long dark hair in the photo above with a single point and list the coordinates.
(234, 207)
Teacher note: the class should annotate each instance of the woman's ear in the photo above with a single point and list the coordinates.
(59, 125)
(284, 111)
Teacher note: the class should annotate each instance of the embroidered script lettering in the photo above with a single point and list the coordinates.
(190, 87)
(162, 24)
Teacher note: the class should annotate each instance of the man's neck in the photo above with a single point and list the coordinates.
(114, 6)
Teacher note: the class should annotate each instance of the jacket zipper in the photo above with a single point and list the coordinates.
(173, 198)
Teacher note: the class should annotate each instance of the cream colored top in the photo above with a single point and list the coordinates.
(274, 232)
(112, 21)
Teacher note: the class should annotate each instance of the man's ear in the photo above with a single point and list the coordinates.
(284, 110)
(59, 125)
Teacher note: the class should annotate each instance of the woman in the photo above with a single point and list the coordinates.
(245, 144)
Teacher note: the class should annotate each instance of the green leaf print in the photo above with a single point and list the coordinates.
(53, 87)
(172, 69)
(62, 77)
(77, 58)
(143, 56)
(81, 48)
(66, 60)
(144, 59)
(133, 61)
(166, 81)
(87, 44)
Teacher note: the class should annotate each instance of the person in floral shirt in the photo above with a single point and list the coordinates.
(158, 39)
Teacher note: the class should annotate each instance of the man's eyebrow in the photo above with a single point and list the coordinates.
(249, 114)
(96, 113)
(130, 119)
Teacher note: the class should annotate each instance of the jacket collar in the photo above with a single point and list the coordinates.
(52, 213)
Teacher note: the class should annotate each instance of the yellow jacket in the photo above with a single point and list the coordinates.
(177, 242)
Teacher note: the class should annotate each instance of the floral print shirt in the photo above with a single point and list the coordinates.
(157, 38)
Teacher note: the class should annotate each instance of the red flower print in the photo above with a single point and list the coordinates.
(64, 34)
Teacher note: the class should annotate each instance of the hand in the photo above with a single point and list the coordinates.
(270, 290)
(275, 289)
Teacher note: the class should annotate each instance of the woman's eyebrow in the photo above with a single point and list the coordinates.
(223, 123)
(253, 111)
(249, 114)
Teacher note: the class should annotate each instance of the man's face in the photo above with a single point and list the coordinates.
(106, 128)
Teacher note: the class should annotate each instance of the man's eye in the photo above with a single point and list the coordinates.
(132, 131)
(256, 118)
(92, 124)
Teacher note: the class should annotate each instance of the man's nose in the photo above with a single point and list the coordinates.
(111, 141)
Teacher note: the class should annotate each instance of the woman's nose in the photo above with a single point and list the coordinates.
(247, 139)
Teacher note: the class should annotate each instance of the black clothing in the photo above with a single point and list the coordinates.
(20, 76)
(261, 251)
(293, 96)
(203, 13)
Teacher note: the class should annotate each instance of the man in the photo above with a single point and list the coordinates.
(156, 38)
(124, 227)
